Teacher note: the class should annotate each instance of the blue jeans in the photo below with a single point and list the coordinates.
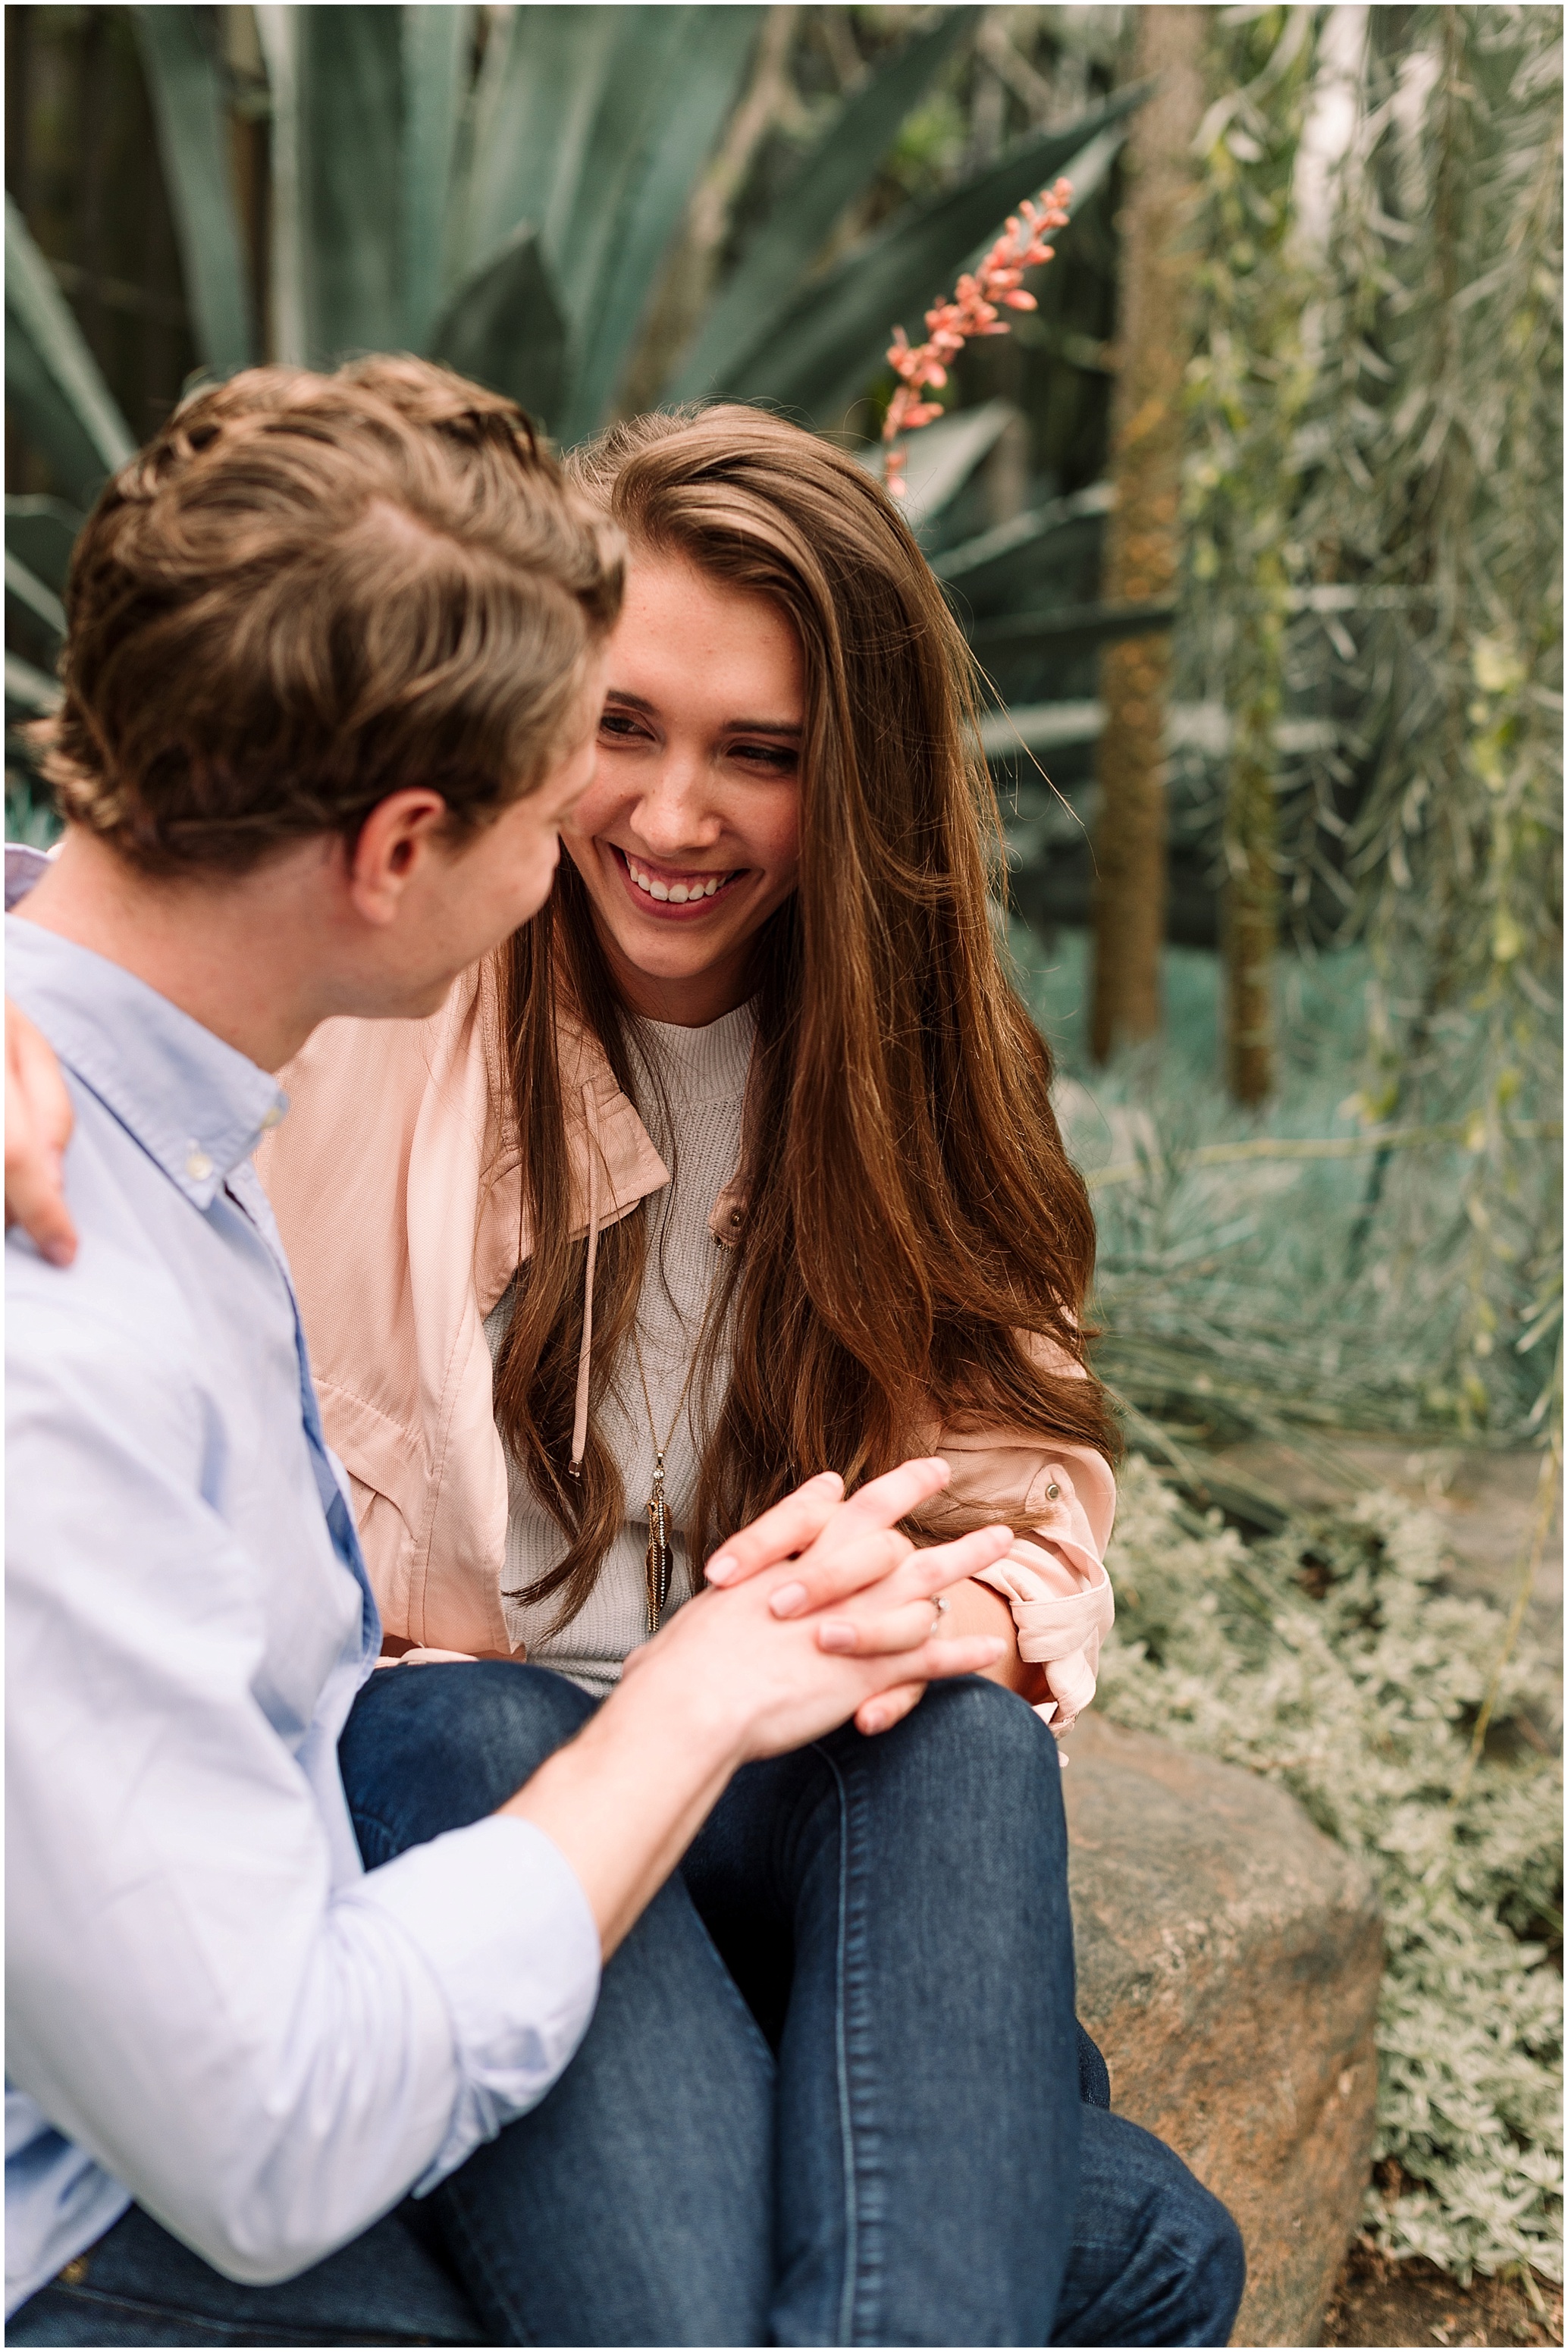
(882, 2142)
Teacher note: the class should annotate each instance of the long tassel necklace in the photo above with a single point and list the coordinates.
(660, 1558)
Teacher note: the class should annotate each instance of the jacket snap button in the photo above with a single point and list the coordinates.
(734, 1216)
(1051, 1493)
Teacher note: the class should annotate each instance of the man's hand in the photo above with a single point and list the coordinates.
(37, 1129)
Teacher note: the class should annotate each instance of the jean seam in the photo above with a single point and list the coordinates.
(859, 2314)
(102, 2299)
(870, 2253)
(471, 2262)
(364, 1821)
(841, 2062)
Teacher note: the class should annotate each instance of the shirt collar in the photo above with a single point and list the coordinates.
(196, 1106)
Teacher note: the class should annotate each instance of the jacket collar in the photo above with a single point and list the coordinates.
(630, 1165)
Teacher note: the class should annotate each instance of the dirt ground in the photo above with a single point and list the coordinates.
(1379, 2302)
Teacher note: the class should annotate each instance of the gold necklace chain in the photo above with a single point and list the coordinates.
(660, 1558)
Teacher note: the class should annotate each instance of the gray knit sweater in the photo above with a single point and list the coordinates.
(704, 1075)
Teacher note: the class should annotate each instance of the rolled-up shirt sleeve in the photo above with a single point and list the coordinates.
(267, 2047)
(457, 1901)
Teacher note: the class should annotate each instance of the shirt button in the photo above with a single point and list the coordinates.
(199, 1166)
(270, 1117)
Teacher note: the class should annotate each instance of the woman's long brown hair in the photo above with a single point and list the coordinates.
(914, 1230)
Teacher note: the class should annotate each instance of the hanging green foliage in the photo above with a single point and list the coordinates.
(1438, 497)
(1375, 493)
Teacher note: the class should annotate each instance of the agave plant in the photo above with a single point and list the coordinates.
(515, 222)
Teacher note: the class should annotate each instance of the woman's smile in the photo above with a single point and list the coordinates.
(673, 893)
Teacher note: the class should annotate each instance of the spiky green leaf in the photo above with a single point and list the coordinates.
(30, 689)
(436, 43)
(828, 181)
(188, 108)
(42, 533)
(40, 602)
(349, 67)
(503, 327)
(543, 77)
(687, 88)
(941, 457)
(52, 377)
(1070, 628)
(823, 347)
(277, 31)
(636, 82)
(976, 561)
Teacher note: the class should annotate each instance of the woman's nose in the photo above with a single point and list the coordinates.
(676, 812)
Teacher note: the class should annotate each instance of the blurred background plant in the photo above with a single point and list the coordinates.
(1255, 527)
(1256, 541)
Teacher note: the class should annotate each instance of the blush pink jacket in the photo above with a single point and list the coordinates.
(396, 1187)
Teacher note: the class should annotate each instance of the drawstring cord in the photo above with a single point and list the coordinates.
(585, 1350)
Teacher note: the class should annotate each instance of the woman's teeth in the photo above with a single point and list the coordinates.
(678, 894)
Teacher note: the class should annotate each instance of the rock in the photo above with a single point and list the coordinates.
(1228, 1961)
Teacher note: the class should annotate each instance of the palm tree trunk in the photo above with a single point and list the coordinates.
(1141, 540)
(1250, 920)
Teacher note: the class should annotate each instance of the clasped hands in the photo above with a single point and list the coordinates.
(822, 1609)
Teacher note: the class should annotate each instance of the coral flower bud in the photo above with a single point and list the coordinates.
(972, 311)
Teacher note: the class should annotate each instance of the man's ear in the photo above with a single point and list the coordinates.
(395, 841)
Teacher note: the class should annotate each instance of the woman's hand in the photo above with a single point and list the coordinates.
(816, 1525)
(37, 1129)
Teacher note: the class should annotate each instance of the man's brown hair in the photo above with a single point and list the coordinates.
(309, 592)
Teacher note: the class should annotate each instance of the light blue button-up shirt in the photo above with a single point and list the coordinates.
(211, 2006)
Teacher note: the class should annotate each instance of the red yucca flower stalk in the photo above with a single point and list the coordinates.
(976, 310)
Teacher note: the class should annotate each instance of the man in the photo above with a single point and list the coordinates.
(332, 687)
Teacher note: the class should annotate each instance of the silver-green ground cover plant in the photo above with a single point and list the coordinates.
(1334, 1658)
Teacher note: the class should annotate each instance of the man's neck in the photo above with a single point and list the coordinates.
(236, 952)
